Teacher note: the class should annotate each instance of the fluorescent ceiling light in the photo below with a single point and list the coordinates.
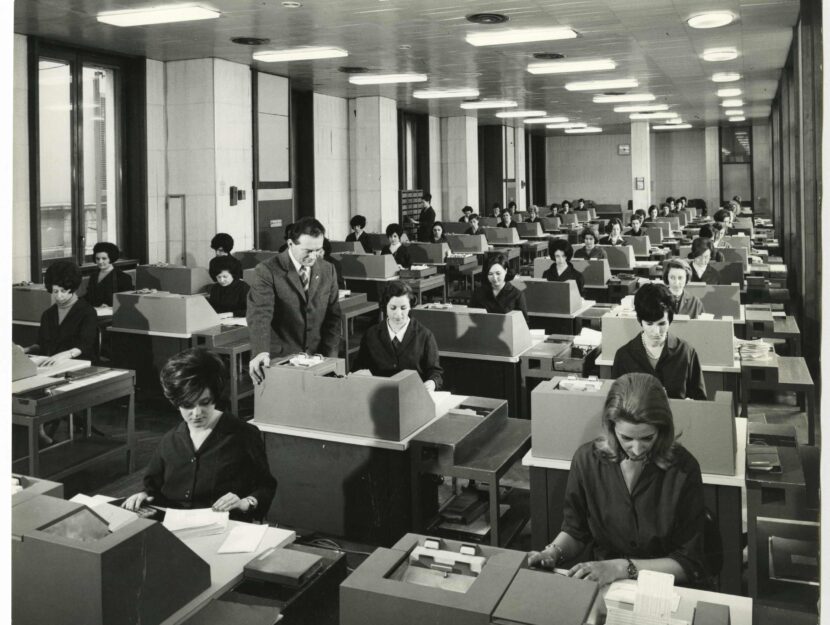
(660, 115)
(719, 54)
(733, 112)
(726, 77)
(674, 121)
(157, 15)
(546, 120)
(567, 67)
(582, 131)
(641, 108)
(386, 79)
(566, 126)
(489, 104)
(712, 19)
(510, 114)
(626, 97)
(299, 54)
(737, 119)
(430, 94)
(671, 126)
(519, 35)
(729, 93)
(732, 103)
(594, 85)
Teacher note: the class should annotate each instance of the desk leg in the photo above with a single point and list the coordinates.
(88, 422)
(34, 451)
(234, 386)
(730, 527)
(494, 512)
(131, 434)
(745, 380)
(811, 415)
(540, 534)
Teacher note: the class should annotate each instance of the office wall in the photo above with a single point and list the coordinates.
(588, 167)
(678, 164)
(762, 168)
(21, 236)
(796, 131)
(436, 182)
(156, 163)
(331, 164)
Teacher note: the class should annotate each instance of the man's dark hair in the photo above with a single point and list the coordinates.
(306, 225)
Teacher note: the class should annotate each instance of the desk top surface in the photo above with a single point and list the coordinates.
(225, 568)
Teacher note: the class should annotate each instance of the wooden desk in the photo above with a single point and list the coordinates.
(740, 608)
(359, 488)
(489, 464)
(75, 454)
(721, 495)
(225, 568)
(423, 285)
(781, 373)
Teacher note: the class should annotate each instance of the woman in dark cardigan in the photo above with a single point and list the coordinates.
(496, 294)
(106, 279)
(399, 251)
(212, 459)
(561, 270)
(228, 295)
(398, 342)
(69, 327)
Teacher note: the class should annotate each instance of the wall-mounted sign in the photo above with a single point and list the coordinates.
(640, 184)
(624, 149)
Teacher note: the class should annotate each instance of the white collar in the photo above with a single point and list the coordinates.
(400, 334)
(297, 264)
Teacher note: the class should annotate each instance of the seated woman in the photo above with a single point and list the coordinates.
(438, 233)
(653, 214)
(665, 210)
(399, 342)
(394, 232)
(565, 207)
(358, 234)
(106, 279)
(507, 220)
(69, 327)
(497, 295)
(466, 212)
(561, 253)
(676, 274)
(707, 231)
(554, 210)
(533, 215)
(222, 244)
(212, 459)
(656, 351)
(614, 236)
(228, 295)
(636, 230)
(590, 251)
(634, 495)
(700, 255)
(474, 227)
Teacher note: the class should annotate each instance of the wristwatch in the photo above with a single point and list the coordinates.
(632, 569)
(252, 502)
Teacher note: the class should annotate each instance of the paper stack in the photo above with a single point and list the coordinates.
(195, 522)
(756, 350)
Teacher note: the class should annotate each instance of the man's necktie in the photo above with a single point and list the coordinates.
(304, 276)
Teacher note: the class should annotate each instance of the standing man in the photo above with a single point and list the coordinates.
(293, 303)
(426, 219)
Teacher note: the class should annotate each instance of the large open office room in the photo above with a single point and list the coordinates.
(373, 311)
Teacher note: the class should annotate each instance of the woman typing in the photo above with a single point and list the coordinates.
(634, 495)
(498, 295)
(676, 274)
(399, 342)
(211, 459)
(106, 280)
(561, 270)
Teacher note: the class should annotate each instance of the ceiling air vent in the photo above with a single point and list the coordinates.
(350, 69)
(250, 41)
(548, 56)
(487, 18)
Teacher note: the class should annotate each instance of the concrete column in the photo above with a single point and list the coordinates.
(21, 235)
(436, 183)
(331, 164)
(459, 163)
(373, 160)
(521, 168)
(712, 148)
(640, 165)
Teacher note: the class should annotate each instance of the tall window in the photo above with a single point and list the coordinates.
(79, 113)
(736, 162)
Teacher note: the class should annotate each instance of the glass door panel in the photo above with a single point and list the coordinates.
(55, 162)
(99, 141)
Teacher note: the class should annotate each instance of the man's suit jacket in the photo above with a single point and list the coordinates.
(425, 221)
(283, 319)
